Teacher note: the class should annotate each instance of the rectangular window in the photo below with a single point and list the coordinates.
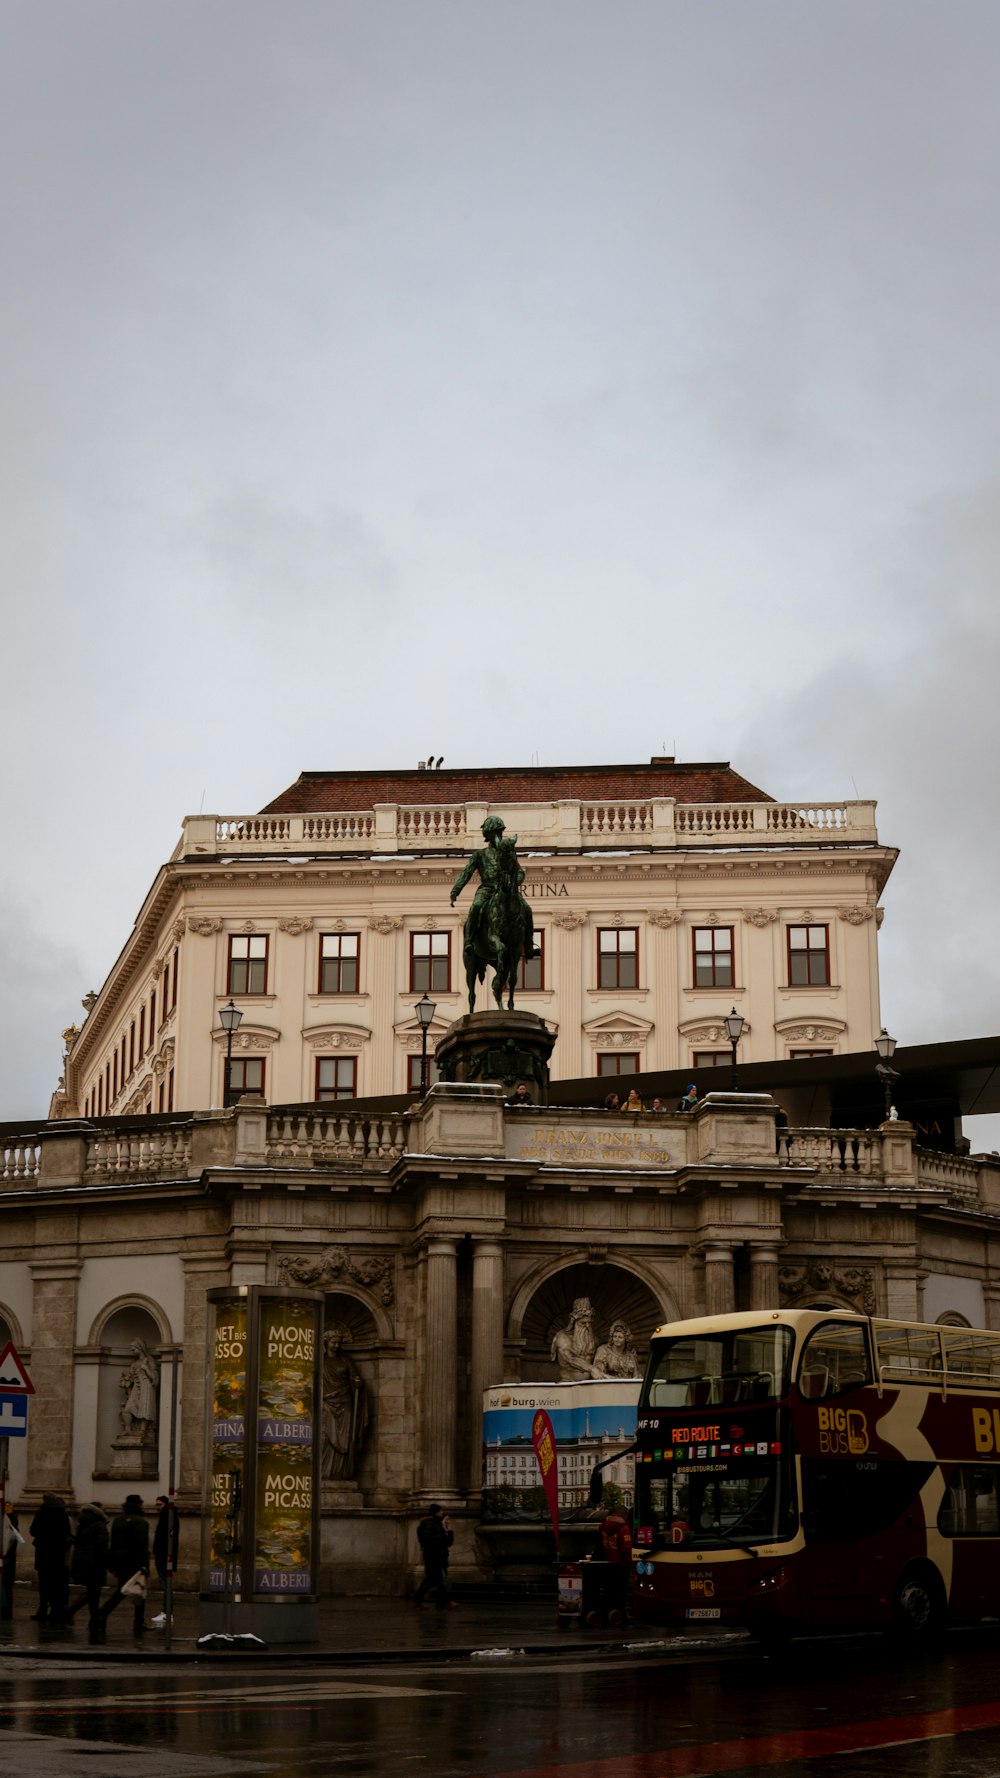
(131, 1051)
(711, 1058)
(247, 963)
(413, 1073)
(166, 994)
(152, 1018)
(100, 1098)
(161, 1095)
(713, 957)
(808, 956)
(114, 1076)
(430, 962)
(618, 1063)
(804, 1055)
(107, 1086)
(531, 976)
(170, 1090)
(336, 1077)
(246, 1075)
(142, 1032)
(173, 985)
(618, 957)
(338, 962)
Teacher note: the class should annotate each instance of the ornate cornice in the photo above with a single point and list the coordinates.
(325, 1266)
(711, 1031)
(336, 1037)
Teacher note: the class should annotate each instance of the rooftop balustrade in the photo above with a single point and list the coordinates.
(616, 825)
(252, 1137)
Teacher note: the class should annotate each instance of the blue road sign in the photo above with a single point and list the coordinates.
(13, 1416)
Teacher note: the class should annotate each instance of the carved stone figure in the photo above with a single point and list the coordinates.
(573, 1346)
(345, 1408)
(327, 1265)
(499, 928)
(618, 1357)
(138, 1383)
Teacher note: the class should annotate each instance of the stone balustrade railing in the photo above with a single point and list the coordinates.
(655, 822)
(19, 1159)
(158, 1153)
(309, 1138)
(833, 1151)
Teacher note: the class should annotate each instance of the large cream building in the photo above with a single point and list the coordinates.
(663, 895)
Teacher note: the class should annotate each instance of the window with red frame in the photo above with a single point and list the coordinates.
(808, 956)
(711, 1058)
(531, 973)
(338, 962)
(713, 957)
(413, 1082)
(618, 1062)
(618, 957)
(336, 1077)
(430, 962)
(247, 963)
(246, 1075)
(806, 1055)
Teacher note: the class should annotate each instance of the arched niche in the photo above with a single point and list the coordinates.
(952, 1318)
(119, 1329)
(350, 1444)
(10, 1328)
(615, 1293)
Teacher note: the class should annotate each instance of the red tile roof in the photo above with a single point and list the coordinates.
(327, 792)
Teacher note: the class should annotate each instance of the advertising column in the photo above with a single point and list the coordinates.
(262, 1556)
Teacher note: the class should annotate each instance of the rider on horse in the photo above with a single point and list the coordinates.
(500, 926)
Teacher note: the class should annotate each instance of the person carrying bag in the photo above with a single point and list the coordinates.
(128, 1559)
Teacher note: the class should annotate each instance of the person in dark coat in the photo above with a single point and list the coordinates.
(160, 1544)
(52, 1534)
(10, 1544)
(128, 1555)
(89, 1566)
(435, 1537)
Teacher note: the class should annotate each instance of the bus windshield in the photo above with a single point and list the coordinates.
(703, 1509)
(719, 1369)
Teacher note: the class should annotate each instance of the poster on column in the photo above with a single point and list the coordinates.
(286, 1429)
(229, 1398)
(590, 1421)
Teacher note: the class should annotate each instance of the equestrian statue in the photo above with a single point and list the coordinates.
(499, 929)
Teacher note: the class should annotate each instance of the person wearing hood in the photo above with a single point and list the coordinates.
(689, 1099)
(89, 1566)
(52, 1534)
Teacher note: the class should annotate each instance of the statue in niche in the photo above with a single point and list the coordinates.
(345, 1408)
(139, 1381)
(618, 1357)
(573, 1345)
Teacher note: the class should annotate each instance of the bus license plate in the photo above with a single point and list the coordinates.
(702, 1611)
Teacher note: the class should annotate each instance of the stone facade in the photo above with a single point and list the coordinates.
(309, 914)
(450, 1243)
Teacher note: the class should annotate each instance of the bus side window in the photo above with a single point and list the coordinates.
(834, 1359)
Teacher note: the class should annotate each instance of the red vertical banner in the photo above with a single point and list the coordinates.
(544, 1440)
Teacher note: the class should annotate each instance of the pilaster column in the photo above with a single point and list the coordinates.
(564, 968)
(440, 1355)
(720, 1291)
(764, 1275)
(487, 1341)
(50, 1415)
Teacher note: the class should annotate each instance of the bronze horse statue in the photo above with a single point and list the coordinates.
(499, 930)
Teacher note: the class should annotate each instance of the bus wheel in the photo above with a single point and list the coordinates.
(918, 1607)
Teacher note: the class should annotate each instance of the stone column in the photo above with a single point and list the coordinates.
(439, 1402)
(720, 1291)
(764, 1275)
(487, 1342)
(50, 1413)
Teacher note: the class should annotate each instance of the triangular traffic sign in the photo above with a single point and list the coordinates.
(14, 1379)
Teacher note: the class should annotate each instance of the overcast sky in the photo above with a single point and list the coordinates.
(548, 379)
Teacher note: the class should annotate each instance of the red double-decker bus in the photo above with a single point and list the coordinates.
(809, 1469)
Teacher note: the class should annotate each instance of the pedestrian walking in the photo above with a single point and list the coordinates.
(89, 1565)
(435, 1537)
(51, 1532)
(128, 1557)
(11, 1538)
(166, 1536)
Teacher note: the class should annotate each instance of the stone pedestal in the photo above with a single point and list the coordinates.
(499, 1047)
(135, 1459)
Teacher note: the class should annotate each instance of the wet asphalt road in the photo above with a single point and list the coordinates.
(828, 1709)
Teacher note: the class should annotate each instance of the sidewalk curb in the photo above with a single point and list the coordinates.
(305, 1655)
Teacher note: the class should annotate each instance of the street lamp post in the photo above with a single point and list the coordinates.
(229, 1019)
(734, 1025)
(425, 1010)
(886, 1047)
